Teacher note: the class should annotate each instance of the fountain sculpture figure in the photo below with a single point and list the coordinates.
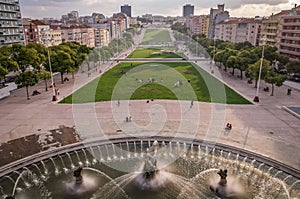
(150, 167)
(78, 176)
(223, 175)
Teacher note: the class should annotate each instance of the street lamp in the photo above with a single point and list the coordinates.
(54, 98)
(256, 98)
(214, 51)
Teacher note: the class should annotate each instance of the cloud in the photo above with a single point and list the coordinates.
(239, 3)
(56, 8)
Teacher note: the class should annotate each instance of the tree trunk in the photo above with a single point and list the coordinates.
(272, 93)
(233, 69)
(255, 86)
(62, 77)
(73, 75)
(28, 98)
(241, 74)
(46, 86)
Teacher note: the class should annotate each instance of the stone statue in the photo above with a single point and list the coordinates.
(77, 175)
(223, 175)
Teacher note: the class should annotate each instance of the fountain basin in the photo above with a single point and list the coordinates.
(116, 169)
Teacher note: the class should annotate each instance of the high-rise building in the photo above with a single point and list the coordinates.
(11, 28)
(188, 10)
(126, 9)
(216, 16)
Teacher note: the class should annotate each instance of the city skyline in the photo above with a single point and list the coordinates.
(237, 8)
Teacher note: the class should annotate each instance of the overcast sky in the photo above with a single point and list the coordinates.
(245, 8)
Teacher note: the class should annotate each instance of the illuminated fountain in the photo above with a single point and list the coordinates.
(133, 168)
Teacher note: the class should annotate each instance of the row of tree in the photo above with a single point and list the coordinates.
(32, 64)
(243, 57)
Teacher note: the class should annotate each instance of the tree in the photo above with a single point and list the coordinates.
(283, 61)
(179, 27)
(26, 56)
(226, 54)
(273, 78)
(243, 61)
(243, 45)
(293, 67)
(6, 59)
(232, 62)
(26, 79)
(3, 72)
(62, 62)
(218, 56)
(253, 70)
(41, 52)
(44, 75)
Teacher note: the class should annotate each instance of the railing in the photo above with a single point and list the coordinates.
(12, 2)
(290, 45)
(291, 30)
(289, 52)
(290, 38)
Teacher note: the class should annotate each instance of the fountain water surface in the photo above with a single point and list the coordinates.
(149, 169)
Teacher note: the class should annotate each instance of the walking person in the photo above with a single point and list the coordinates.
(192, 103)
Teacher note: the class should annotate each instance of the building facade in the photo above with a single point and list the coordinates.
(188, 10)
(216, 16)
(36, 31)
(197, 25)
(289, 34)
(81, 34)
(11, 28)
(239, 30)
(270, 29)
(126, 9)
(102, 37)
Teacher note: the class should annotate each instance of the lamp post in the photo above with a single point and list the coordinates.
(214, 51)
(54, 97)
(256, 98)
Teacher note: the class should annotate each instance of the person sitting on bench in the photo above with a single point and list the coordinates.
(266, 89)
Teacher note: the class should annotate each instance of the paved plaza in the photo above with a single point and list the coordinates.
(264, 128)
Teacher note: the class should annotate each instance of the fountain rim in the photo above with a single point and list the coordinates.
(29, 160)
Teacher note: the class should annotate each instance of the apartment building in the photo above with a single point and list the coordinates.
(81, 34)
(126, 9)
(72, 33)
(87, 36)
(188, 10)
(239, 30)
(197, 25)
(216, 16)
(249, 30)
(270, 29)
(289, 34)
(226, 30)
(102, 37)
(36, 31)
(11, 28)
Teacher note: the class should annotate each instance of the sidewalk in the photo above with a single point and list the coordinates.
(5, 92)
(293, 85)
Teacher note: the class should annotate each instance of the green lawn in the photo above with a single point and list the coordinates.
(156, 36)
(154, 53)
(113, 85)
